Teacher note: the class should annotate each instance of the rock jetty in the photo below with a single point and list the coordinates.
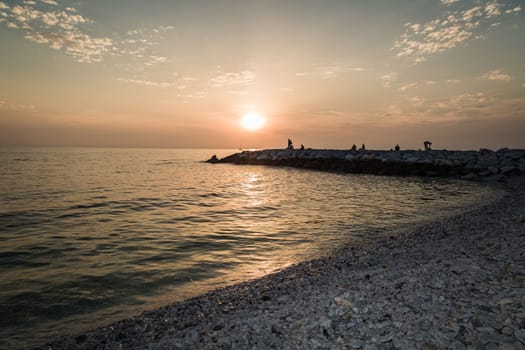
(484, 164)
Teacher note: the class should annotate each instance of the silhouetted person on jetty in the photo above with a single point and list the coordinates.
(290, 144)
(397, 148)
(302, 147)
(354, 147)
(362, 147)
(427, 145)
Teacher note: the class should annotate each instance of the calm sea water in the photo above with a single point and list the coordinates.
(89, 236)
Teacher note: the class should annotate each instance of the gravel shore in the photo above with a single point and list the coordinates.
(456, 283)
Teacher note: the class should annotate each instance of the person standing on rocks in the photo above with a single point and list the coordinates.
(290, 144)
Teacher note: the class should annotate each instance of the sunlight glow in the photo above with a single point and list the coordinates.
(253, 121)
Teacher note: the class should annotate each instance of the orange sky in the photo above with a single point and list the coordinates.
(329, 75)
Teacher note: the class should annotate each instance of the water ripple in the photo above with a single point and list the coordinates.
(90, 235)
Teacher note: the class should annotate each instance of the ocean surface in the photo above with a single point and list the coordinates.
(89, 236)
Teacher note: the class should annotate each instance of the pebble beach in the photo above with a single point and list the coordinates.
(456, 283)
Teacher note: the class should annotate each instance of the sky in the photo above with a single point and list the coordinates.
(325, 73)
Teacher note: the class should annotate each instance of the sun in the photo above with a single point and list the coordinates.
(253, 121)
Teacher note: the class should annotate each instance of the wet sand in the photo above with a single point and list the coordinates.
(454, 283)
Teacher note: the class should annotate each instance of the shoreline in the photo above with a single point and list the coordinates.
(456, 282)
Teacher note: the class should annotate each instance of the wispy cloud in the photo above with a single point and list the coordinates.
(389, 78)
(59, 29)
(63, 28)
(496, 74)
(421, 40)
(223, 79)
(160, 84)
(16, 107)
(417, 84)
(329, 71)
(423, 83)
(141, 46)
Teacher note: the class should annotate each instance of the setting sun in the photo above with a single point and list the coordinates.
(253, 121)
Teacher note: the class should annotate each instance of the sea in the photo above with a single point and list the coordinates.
(89, 236)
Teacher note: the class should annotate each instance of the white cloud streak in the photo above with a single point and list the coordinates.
(497, 74)
(16, 107)
(222, 79)
(389, 79)
(330, 71)
(151, 83)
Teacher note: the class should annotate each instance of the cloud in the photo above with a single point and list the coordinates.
(222, 79)
(417, 84)
(152, 60)
(195, 95)
(16, 107)
(496, 74)
(492, 9)
(513, 10)
(330, 71)
(160, 84)
(421, 40)
(59, 29)
(448, 2)
(389, 79)
(141, 45)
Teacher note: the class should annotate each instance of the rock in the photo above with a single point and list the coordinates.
(493, 169)
(356, 343)
(213, 159)
(325, 323)
(508, 169)
(340, 301)
(507, 331)
(520, 335)
(471, 176)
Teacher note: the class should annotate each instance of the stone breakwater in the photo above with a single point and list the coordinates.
(470, 165)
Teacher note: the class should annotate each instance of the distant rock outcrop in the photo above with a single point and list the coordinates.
(470, 165)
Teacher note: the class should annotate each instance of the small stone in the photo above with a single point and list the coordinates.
(520, 334)
(493, 170)
(325, 323)
(343, 302)
(81, 338)
(491, 346)
(506, 346)
(508, 169)
(471, 176)
(427, 346)
(356, 343)
(507, 331)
